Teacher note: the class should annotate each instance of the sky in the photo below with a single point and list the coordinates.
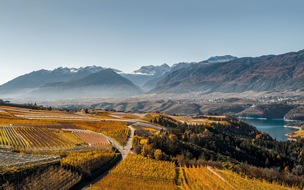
(46, 34)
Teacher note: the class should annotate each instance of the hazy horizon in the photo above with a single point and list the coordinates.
(127, 35)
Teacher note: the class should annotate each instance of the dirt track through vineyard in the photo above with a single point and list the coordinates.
(124, 150)
(219, 176)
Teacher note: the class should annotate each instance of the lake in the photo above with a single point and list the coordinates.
(274, 127)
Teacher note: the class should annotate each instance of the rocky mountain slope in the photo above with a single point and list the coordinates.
(295, 114)
(147, 77)
(266, 73)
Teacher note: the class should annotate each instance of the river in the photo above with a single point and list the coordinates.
(274, 127)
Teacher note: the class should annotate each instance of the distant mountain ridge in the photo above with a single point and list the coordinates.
(219, 59)
(153, 70)
(105, 83)
(224, 74)
(147, 77)
(266, 73)
(91, 81)
(41, 77)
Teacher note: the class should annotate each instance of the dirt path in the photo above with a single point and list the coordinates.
(124, 150)
(219, 176)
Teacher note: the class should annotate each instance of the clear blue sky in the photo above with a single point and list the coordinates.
(127, 34)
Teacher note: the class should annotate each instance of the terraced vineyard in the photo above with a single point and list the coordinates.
(87, 162)
(11, 159)
(41, 138)
(202, 177)
(92, 138)
(4, 114)
(62, 120)
(81, 152)
(53, 177)
(115, 129)
(72, 137)
(25, 113)
(9, 137)
(76, 153)
(35, 138)
(138, 172)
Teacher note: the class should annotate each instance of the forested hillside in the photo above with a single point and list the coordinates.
(224, 140)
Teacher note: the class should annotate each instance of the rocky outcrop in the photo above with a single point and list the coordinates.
(295, 114)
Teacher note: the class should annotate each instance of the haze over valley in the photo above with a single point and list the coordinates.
(221, 84)
(152, 95)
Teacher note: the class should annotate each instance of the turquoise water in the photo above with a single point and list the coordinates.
(274, 127)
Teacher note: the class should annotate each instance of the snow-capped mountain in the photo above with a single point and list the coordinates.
(37, 79)
(147, 77)
(90, 69)
(267, 73)
(153, 70)
(219, 59)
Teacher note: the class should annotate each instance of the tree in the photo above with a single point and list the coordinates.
(158, 155)
(146, 150)
(267, 162)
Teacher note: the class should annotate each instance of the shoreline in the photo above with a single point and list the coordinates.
(290, 124)
(292, 136)
(266, 118)
(292, 127)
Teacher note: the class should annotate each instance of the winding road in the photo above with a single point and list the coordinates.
(124, 150)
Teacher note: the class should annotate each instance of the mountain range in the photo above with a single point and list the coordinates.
(225, 74)
(69, 83)
(147, 77)
(266, 73)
